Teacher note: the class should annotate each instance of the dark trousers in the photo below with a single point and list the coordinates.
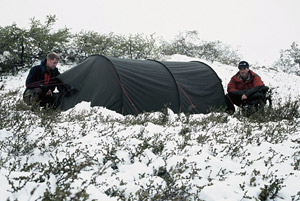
(253, 100)
(37, 96)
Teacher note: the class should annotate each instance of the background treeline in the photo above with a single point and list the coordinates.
(21, 48)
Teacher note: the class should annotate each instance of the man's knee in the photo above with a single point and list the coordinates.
(235, 99)
(264, 89)
(32, 96)
(259, 96)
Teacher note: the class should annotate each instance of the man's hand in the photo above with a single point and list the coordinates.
(244, 97)
(49, 93)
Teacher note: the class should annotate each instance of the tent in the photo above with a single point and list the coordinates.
(135, 86)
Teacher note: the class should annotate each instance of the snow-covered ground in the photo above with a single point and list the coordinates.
(161, 156)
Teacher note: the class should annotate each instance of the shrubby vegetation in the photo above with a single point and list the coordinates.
(189, 44)
(21, 48)
(289, 60)
(136, 46)
(64, 175)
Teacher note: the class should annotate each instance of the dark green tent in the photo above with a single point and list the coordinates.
(136, 86)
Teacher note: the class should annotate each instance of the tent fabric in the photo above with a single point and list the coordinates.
(135, 86)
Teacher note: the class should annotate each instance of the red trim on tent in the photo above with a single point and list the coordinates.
(125, 92)
(187, 97)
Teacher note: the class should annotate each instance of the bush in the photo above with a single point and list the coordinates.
(21, 48)
(136, 46)
(189, 44)
(42, 39)
(12, 40)
(289, 60)
(133, 46)
(89, 43)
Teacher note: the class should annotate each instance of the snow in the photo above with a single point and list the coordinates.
(125, 153)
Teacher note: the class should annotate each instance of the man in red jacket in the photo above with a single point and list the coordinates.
(245, 89)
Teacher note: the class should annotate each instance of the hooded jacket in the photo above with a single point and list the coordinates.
(239, 87)
(35, 78)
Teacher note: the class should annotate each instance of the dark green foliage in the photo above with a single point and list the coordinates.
(133, 46)
(44, 39)
(281, 110)
(89, 43)
(12, 47)
(20, 48)
(271, 191)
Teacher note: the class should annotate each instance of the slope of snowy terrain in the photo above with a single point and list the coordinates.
(94, 153)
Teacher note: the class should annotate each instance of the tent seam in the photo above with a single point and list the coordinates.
(122, 87)
(175, 82)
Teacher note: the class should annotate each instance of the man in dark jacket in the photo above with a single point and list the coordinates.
(41, 82)
(245, 88)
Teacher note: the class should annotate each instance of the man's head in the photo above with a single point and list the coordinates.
(243, 68)
(52, 60)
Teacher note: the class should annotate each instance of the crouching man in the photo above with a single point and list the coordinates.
(245, 89)
(41, 83)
